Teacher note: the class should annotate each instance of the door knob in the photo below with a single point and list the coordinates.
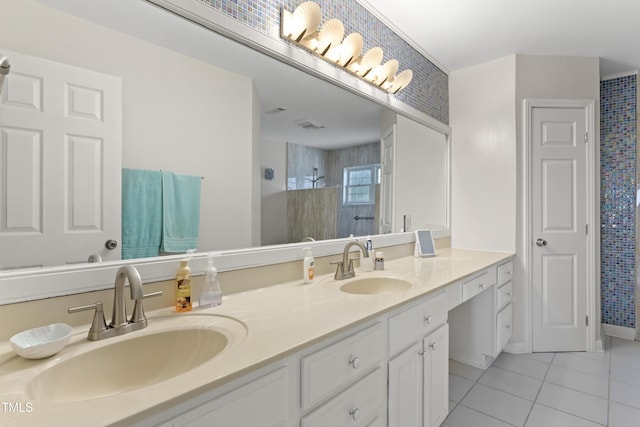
(111, 244)
(541, 242)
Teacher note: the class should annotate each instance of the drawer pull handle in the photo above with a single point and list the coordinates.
(433, 346)
(482, 285)
(354, 361)
(508, 294)
(355, 414)
(428, 319)
(507, 326)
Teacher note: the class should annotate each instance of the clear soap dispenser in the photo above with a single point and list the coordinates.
(211, 294)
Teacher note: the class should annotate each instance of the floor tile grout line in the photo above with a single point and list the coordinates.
(539, 390)
(569, 413)
(489, 415)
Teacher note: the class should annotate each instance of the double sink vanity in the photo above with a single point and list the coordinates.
(372, 350)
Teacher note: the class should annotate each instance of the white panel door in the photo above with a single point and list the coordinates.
(387, 187)
(60, 164)
(559, 205)
(436, 377)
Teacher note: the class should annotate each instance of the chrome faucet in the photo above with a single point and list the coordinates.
(340, 273)
(119, 324)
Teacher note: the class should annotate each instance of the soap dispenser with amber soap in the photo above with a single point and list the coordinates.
(183, 287)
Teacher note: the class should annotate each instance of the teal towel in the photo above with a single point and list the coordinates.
(141, 213)
(181, 212)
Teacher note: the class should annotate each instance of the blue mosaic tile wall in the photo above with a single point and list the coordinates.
(429, 89)
(618, 127)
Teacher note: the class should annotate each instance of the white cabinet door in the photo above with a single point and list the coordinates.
(265, 401)
(436, 377)
(60, 163)
(405, 388)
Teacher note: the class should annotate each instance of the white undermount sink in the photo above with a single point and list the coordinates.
(375, 285)
(177, 344)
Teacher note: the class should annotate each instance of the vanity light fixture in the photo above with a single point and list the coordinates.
(301, 28)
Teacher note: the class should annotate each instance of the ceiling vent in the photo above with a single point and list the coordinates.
(308, 124)
(275, 111)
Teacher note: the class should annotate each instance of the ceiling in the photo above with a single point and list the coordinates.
(461, 33)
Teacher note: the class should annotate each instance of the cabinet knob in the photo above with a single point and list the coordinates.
(354, 361)
(428, 319)
(482, 285)
(507, 326)
(355, 414)
(508, 294)
(433, 346)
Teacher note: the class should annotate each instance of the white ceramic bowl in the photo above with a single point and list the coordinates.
(41, 342)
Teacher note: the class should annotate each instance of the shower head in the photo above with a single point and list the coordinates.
(5, 67)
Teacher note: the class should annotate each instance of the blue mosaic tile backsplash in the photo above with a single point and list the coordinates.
(429, 89)
(618, 127)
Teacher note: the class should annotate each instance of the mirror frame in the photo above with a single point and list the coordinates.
(26, 285)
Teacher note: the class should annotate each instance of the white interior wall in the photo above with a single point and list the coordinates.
(482, 116)
(488, 182)
(179, 114)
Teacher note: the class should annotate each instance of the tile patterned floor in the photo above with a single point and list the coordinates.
(549, 390)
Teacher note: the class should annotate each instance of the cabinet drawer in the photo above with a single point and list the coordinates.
(324, 371)
(474, 286)
(417, 321)
(359, 405)
(505, 273)
(503, 327)
(504, 295)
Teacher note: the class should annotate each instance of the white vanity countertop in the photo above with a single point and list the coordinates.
(272, 322)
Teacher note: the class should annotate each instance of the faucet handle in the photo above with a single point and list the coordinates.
(99, 324)
(138, 311)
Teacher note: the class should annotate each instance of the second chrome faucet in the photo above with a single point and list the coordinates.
(347, 262)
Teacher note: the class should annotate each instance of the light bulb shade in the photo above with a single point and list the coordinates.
(349, 49)
(384, 72)
(400, 81)
(367, 62)
(306, 19)
(330, 35)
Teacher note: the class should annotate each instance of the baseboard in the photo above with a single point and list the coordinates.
(517, 348)
(619, 331)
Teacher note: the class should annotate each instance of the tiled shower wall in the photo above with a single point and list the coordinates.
(618, 127)
(429, 89)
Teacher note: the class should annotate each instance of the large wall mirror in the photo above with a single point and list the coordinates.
(195, 102)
